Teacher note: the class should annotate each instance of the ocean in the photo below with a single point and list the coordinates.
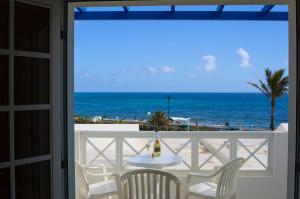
(249, 110)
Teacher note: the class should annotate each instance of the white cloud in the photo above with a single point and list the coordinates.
(168, 69)
(245, 58)
(210, 64)
(152, 70)
(88, 75)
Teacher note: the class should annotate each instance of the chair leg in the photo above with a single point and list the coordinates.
(187, 187)
(120, 196)
(186, 196)
(233, 196)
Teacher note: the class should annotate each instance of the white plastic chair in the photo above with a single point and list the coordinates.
(93, 183)
(220, 185)
(150, 184)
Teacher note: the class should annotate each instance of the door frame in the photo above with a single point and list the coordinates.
(297, 137)
(72, 4)
(57, 98)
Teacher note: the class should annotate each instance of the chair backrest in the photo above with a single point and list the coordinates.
(150, 184)
(227, 180)
(82, 183)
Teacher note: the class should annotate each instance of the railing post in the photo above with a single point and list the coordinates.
(270, 153)
(233, 147)
(195, 155)
(119, 154)
(82, 147)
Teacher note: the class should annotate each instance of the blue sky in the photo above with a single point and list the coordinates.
(176, 56)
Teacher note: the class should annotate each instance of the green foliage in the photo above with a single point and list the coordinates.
(275, 86)
(82, 120)
(158, 120)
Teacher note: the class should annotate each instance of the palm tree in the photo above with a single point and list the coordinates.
(275, 86)
(159, 119)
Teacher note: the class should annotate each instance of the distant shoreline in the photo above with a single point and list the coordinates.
(237, 110)
(175, 125)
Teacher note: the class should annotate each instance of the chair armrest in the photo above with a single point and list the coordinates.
(98, 174)
(201, 176)
(198, 175)
(97, 166)
(115, 175)
(95, 169)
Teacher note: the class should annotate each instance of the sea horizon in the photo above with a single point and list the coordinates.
(239, 109)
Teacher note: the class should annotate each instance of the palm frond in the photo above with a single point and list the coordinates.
(275, 79)
(268, 74)
(266, 89)
(278, 74)
(262, 87)
(282, 87)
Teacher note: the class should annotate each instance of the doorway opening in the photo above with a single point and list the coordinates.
(112, 146)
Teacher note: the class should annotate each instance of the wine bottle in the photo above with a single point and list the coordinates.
(156, 146)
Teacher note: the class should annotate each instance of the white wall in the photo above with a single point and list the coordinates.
(268, 187)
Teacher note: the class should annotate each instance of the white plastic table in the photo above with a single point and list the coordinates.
(147, 161)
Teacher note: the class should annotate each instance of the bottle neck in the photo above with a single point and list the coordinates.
(157, 135)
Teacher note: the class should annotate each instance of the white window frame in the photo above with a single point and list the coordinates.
(292, 70)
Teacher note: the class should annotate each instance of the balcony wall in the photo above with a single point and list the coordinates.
(269, 187)
(264, 175)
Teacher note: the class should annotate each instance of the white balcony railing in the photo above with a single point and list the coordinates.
(201, 151)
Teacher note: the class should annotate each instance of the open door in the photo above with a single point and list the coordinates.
(30, 99)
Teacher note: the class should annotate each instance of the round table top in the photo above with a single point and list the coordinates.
(147, 161)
